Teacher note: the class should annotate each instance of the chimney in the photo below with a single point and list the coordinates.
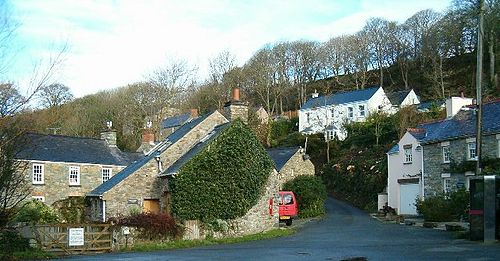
(194, 113)
(454, 104)
(148, 140)
(235, 108)
(109, 135)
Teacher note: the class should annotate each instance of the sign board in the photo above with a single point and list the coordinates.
(76, 236)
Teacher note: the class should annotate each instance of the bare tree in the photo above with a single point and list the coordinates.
(54, 95)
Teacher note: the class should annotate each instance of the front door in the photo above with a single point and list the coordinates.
(408, 195)
(152, 205)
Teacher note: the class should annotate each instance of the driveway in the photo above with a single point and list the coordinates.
(345, 233)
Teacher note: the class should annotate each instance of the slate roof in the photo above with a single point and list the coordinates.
(394, 149)
(426, 106)
(59, 148)
(340, 98)
(175, 167)
(129, 170)
(281, 156)
(397, 98)
(175, 121)
(463, 125)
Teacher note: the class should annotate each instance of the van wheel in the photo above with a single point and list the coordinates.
(288, 222)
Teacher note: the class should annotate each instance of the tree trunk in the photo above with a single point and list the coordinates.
(491, 50)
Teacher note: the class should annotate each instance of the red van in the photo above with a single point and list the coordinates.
(288, 209)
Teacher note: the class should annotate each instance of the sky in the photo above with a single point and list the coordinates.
(112, 43)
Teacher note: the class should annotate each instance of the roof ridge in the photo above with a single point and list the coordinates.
(63, 136)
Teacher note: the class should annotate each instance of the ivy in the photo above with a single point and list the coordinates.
(225, 179)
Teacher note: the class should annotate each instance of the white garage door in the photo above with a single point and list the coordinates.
(408, 194)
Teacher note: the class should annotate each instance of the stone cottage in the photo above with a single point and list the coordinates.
(59, 166)
(440, 156)
(290, 163)
(144, 186)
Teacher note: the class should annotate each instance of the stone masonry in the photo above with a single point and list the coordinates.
(56, 180)
(145, 183)
(434, 166)
(294, 167)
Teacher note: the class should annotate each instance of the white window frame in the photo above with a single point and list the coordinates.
(408, 156)
(350, 112)
(446, 153)
(41, 174)
(447, 185)
(308, 117)
(76, 172)
(362, 110)
(330, 135)
(38, 198)
(110, 174)
(332, 112)
(498, 145)
(471, 147)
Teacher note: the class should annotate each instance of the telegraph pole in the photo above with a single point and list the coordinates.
(479, 72)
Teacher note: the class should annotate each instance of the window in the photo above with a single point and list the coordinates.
(330, 135)
(38, 174)
(408, 153)
(106, 174)
(350, 112)
(308, 117)
(446, 154)
(38, 198)
(446, 185)
(471, 151)
(361, 109)
(332, 112)
(74, 175)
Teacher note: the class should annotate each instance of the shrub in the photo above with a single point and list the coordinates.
(71, 210)
(225, 179)
(153, 226)
(449, 207)
(311, 195)
(36, 212)
(10, 242)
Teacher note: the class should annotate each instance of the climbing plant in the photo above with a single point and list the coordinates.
(225, 179)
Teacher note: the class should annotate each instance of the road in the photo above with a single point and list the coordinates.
(345, 233)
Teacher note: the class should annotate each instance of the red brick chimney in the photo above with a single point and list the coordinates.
(148, 141)
(235, 94)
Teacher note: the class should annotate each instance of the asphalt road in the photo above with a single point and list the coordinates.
(345, 233)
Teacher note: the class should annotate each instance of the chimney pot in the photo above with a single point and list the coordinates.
(236, 94)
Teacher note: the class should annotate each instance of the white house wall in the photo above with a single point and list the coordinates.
(321, 117)
(410, 99)
(398, 169)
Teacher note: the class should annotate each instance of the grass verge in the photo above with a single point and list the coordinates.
(152, 246)
(32, 254)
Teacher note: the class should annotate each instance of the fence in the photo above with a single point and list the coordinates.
(71, 238)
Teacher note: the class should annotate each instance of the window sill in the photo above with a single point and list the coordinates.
(446, 162)
(74, 185)
(407, 163)
(38, 184)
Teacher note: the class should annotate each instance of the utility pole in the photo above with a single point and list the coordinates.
(479, 72)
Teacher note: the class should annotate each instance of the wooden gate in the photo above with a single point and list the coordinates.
(56, 239)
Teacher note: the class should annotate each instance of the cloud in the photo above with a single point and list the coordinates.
(113, 43)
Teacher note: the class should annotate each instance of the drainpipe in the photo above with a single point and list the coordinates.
(422, 197)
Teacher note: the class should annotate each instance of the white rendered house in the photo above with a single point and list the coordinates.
(327, 114)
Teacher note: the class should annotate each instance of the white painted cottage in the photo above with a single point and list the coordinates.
(327, 114)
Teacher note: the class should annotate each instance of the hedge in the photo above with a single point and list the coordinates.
(311, 195)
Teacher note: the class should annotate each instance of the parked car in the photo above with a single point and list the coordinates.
(288, 209)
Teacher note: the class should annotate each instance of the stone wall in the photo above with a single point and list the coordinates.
(56, 180)
(236, 109)
(145, 183)
(434, 166)
(296, 166)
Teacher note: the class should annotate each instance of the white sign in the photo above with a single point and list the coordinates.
(76, 237)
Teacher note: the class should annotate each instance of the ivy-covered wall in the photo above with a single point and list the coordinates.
(225, 179)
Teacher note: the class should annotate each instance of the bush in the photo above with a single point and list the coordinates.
(153, 226)
(10, 242)
(311, 195)
(71, 209)
(441, 208)
(36, 212)
(225, 179)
